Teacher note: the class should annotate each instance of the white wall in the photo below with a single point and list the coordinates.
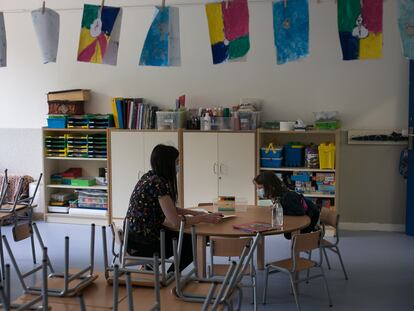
(369, 94)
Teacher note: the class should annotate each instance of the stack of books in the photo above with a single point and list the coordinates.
(133, 113)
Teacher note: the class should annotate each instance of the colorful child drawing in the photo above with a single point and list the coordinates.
(291, 29)
(360, 28)
(162, 44)
(3, 42)
(406, 25)
(99, 37)
(228, 24)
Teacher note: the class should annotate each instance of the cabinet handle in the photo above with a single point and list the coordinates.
(215, 165)
(221, 168)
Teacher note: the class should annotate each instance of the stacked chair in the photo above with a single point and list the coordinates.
(39, 303)
(19, 213)
(65, 284)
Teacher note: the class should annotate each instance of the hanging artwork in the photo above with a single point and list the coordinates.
(162, 44)
(360, 28)
(46, 25)
(99, 37)
(228, 24)
(3, 42)
(406, 25)
(291, 29)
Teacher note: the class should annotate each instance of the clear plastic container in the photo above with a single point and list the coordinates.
(171, 120)
(216, 124)
(249, 120)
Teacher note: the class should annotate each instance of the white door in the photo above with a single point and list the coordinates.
(200, 168)
(151, 139)
(237, 165)
(127, 166)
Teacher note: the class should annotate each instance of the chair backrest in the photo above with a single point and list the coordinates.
(329, 217)
(228, 247)
(305, 242)
(22, 231)
(204, 204)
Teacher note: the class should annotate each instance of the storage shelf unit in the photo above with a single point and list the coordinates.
(90, 167)
(316, 137)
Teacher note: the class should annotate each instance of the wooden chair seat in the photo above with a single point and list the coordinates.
(221, 270)
(97, 294)
(19, 207)
(326, 243)
(301, 264)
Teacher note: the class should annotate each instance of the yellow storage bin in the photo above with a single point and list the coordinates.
(326, 155)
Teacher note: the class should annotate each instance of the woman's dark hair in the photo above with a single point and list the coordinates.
(163, 159)
(273, 186)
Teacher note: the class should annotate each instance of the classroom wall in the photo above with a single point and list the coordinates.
(368, 94)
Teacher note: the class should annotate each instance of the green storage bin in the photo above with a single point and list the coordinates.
(83, 182)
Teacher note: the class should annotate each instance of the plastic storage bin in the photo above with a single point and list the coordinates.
(294, 155)
(327, 156)
(83, 182)
(327, 125)
(249, 120)
(271, 162)
(57, 122)
(171, 120)
(216, 124)
(271, 152)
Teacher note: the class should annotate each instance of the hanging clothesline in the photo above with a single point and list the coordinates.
(151, 5)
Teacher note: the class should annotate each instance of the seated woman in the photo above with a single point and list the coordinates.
(152, 207)
(269, 186)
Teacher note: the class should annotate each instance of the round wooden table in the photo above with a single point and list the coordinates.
(243, 214)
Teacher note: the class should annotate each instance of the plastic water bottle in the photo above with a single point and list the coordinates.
(279, 213)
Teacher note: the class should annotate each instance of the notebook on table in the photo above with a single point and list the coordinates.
(254, 227)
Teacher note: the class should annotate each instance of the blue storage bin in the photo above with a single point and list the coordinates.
(294, 155)
(301, 177)
(271, 162)
(271, 153)
(56, 123)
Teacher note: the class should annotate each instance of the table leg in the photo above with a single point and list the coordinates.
(261, 253)
(201, 255)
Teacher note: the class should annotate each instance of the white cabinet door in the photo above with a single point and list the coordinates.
(200, 168)
(237, 165)
(151, 139)
(127, 166)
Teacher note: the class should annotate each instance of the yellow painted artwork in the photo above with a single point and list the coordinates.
(371, 46)
(215, 22)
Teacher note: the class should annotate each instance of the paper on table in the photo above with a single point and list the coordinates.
(3, 42)
(46, 25)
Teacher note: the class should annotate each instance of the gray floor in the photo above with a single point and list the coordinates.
(380, 267)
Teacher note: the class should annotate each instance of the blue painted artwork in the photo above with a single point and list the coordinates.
(162, 46)
(291, 29)
(406, 25)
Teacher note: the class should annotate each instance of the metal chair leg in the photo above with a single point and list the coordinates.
(342, 263)
(33, 247)
(1, 253)
(265, 285)
(307, 272)
(294, 291)
(82, 306)
(326, 285)
(326, 257)
(254, 293)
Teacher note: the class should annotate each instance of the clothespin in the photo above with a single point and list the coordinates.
(43, 7)
(102, 5)
(285, 2)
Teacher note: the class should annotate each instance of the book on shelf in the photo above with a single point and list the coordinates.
(133, 113)
(254, 227)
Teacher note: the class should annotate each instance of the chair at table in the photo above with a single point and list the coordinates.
(39, 303)
(331, 218)
(216, 290)
(301, 243)
(231, 247)
(65, 284)
(118, 272)
(121, 257)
